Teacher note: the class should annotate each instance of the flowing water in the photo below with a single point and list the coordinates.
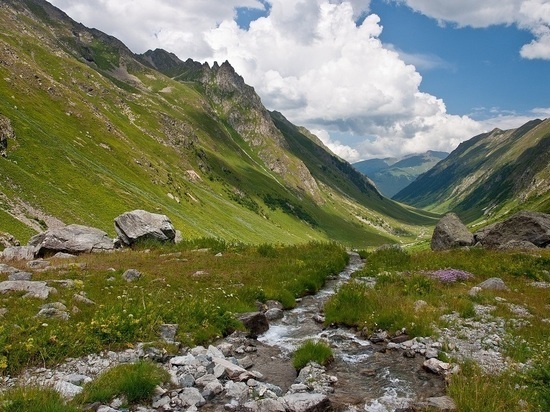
(368, 379)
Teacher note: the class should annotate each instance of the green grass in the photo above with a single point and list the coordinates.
(184, 284)
(136, 382)
(32, 399)
(311, 351)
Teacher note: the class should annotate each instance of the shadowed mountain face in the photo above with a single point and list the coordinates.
(392, 175)
(489, 175)
(89, 130)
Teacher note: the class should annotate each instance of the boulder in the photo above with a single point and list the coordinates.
(131, 275)
(6, 132)
(493, 284)
(72, 239)
(306, 402)
(8, 240)
(34, 289)
(518, 245)
(451, 233)
(18, 253)
(255, 323)
(526, 226)
(137, 225)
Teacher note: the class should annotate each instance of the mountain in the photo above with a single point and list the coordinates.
(392, 175)
(490, 175)
(90, 130)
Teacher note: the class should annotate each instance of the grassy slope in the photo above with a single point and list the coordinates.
(101, 134)
(490, 175)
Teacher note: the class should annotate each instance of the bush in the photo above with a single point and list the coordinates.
(309, 351)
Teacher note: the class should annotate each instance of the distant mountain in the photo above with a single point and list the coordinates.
(490, 175)
(392, 175)
(90, 130)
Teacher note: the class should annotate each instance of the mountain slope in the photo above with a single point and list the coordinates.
(98, 131)
(489, 175)
(392, 175)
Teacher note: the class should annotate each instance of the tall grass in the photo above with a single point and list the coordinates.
(33, 399)
(311, 351)
(136, 382)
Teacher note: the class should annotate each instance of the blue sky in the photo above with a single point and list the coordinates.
(474, 69)
(372, 78)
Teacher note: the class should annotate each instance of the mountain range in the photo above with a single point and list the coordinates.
(390, 175)
(489, 176)
(90, 130)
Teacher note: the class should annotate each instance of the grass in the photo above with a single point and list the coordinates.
(311, 351)
(32, 399)
(185, 284)
(135, 382)
(443, 280)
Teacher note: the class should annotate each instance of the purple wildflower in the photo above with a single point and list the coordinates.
(450, 275)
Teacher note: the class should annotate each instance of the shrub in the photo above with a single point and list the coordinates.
(318, 352)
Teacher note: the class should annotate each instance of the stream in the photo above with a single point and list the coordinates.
(369, 378)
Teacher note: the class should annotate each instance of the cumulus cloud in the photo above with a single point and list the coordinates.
(176, 26)
(340, 78)
(532, 15)
(313, 61)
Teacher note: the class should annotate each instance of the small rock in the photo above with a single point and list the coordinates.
(67, 389)
(255, 323)
(436, 366)
(442, 403)
(131, 275)
(38, 264)
(19, 275)
(168, 332)
(493, 284)
(83, 299)
(274, 314)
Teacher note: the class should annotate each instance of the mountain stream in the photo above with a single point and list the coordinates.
(369, 378)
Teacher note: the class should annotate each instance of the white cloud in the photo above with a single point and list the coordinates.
(342, 78)
(176, 26)
(311, 61)
(531, 15)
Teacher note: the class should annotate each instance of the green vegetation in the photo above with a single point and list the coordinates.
(311, 351)
(443, 280)
(489, 176)
(136, 382)
(31, 399)
(93, 126)
(184, 284)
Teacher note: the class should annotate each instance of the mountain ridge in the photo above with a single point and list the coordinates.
(390, 175)
(489, 175)
(98, 132)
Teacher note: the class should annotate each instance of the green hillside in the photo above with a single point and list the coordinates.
(98, 131)
(489, 176)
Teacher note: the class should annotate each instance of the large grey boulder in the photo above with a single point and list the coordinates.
(137, 225)
(72, 239)
(450, 233)
(18, 253)
(526, 226)
(34, 289)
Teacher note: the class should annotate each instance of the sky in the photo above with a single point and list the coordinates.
(372, 78)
